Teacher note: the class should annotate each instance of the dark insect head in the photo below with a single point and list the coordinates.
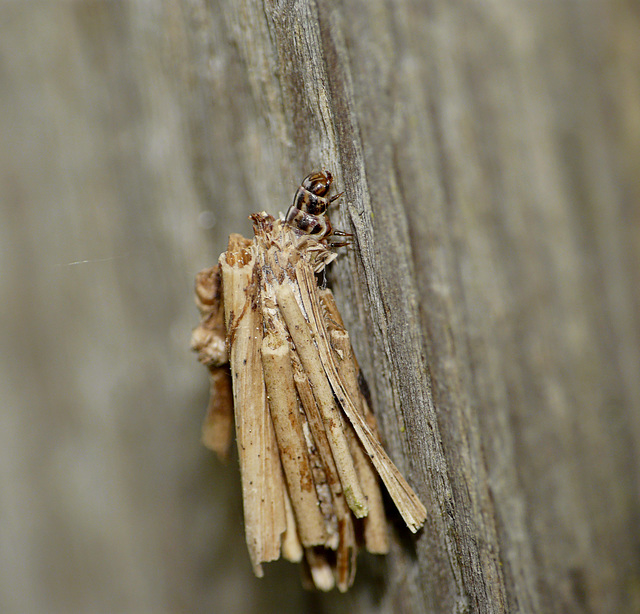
(308, 212)
(318, 183)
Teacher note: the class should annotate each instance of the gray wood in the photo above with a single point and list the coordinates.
(490, 159)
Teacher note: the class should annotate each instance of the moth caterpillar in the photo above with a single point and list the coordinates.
(309, 450)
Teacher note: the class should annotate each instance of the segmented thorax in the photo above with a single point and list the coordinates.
(308, 212)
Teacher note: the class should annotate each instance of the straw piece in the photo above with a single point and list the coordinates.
(283, 403)
(308, 353)
(375, 524)
(262, 480)
(407, 502)
(291, 547)
(209, 340)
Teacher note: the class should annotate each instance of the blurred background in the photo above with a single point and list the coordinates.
(108, 501)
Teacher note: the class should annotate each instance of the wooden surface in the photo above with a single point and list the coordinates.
(490, 157)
